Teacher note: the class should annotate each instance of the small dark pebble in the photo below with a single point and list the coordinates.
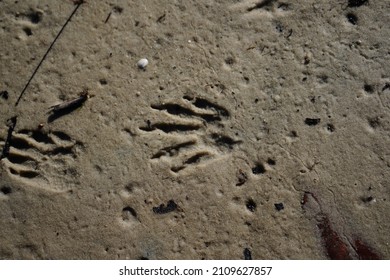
(312, 122)
(271, 161)
(6, 190)
(4, 94)
(28, 31)
(162, 209)
(279, 206)
(356, 3)
(369, 88)
(247, 254)
(258, 169)
(367, 199)
(330, 127)
(35, 17)
(251, 205)
(352, 18)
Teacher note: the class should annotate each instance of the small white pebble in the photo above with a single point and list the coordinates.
(142, 63)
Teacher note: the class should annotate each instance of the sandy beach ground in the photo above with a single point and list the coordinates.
(259, 129)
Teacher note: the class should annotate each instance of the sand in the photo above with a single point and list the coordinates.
(244, 108)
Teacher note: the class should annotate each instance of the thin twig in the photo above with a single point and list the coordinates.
(108, 17)
(70, 104)
(67, 107)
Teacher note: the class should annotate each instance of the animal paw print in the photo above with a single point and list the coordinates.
(45, 160)
(190, 129)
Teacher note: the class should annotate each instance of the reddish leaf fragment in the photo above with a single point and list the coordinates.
(334, 246)
(336, 249)
(364, 252)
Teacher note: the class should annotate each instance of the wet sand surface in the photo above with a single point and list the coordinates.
(259, 129)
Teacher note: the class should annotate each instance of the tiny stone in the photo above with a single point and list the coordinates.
(312, 121)
(258, 169)
(142, 63)
(279, 206)
(251, 205)
(247, 254)
(4, 94)
(367, 199)
(6, 190)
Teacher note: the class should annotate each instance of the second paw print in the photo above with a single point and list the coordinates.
(190, 132)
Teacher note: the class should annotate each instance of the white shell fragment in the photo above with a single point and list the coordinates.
(142, 63)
